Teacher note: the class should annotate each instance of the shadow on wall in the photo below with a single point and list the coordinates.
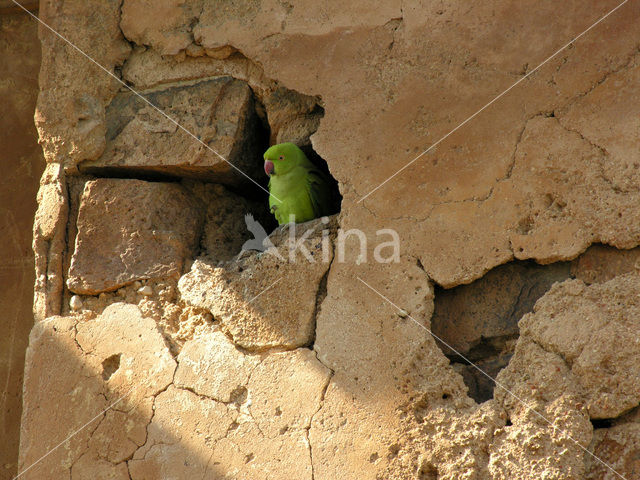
(21, 164)
(167, 419)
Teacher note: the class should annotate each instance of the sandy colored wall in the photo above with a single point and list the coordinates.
(177, 354)
(21, 164)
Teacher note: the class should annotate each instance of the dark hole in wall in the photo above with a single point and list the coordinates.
(319, 162)
(480, 320)
(601, 423)
(427, 471)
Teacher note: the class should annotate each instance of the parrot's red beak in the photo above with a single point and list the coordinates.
(268, 167)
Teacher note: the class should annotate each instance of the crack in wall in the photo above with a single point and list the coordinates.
(320, 406)
(625, 65)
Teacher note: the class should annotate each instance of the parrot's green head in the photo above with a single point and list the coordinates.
(281, 158)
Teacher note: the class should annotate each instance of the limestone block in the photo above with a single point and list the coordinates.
(70, 114)
(256, 431)
(266, 299)
(114, 363)
(219, 112)
(158, 228)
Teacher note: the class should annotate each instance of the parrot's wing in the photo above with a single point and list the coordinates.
(319, 192)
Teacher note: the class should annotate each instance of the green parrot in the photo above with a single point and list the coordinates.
(296, 186)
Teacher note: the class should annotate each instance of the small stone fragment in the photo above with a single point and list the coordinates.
(147, 291)
(75, 303)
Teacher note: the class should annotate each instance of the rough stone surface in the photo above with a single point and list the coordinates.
(399, 50)
(532, 448)
(225, 227)
(360, 430)
(256, 408)
(49, 242)
(202, 362)
(594, 330)
(159, 228)
(266, 299)
(618, 446)
(22, 163)
(118, 356)
(220, 112)
(70, 114)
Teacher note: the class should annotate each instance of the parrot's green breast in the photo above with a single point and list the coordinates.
(290, 196)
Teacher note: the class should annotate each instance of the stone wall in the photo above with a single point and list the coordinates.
(177, 354)
(21, 164)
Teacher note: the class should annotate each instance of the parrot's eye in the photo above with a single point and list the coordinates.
(281, 157)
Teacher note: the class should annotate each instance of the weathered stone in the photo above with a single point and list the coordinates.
(268, 299)
(49, 242)
(219, 112)
(619, 447)
(91, 466)
(573, 214)
(383, 365)
(163, 24)
(211, 365)
(286, 390)
(532, 448)
(450, 454)
(612, 103)
(147, 69)
(116, 361)
(589, 337)
(490, 308)
(600, 263)
(267, 413)
(292, 117)
(159, 227)
(70, 115)
(528, 179)
(181, 437)
(126, 348)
